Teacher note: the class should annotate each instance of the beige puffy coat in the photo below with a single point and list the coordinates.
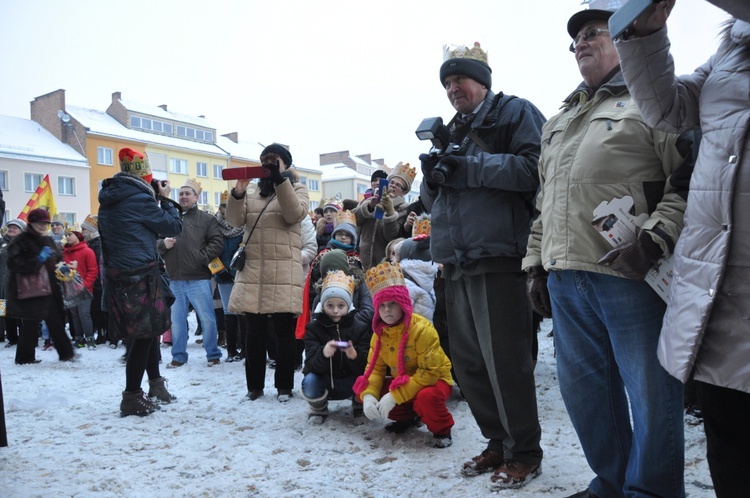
(270, 281)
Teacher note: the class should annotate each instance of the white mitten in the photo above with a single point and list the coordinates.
(385, 405)
(370, 407)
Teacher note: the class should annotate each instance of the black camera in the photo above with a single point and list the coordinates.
(435, 131)
(155, 184)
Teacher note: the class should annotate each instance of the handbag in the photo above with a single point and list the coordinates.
(35, 284)
(238, 258)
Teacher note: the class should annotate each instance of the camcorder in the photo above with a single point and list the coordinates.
(435, 131)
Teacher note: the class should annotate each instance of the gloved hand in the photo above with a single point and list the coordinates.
(536, 289)
(274, 172)
(44, 254)
(455, 172)
(428, 163)
(387, 204)
(385, 405)
(635, 258)
(370, 407)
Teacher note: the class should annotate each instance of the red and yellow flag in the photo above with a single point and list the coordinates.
(41, 198)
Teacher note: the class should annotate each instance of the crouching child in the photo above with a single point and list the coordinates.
(408, 345)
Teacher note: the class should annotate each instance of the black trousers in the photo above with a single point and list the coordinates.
(10, 329)
(726, 420)
(143, 356)
(29, 337)
(256, 344)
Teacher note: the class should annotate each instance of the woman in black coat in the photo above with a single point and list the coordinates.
(27, 253)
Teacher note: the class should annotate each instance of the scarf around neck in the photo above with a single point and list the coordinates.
(226, 229)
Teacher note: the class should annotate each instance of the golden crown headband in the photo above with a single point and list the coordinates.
(345, 217)
(383, 276)
(339, 279)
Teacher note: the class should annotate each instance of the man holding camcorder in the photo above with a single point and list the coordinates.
(488, 169)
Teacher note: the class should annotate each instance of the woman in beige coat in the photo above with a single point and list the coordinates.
(268, 289)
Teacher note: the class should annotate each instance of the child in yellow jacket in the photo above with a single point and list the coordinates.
(409, 345)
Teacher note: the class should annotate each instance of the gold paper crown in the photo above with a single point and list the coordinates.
(405, 172)
(193, 184)
(464, 52)
(59, 218)
(332, 202)
(344, 217)
(383, 276)
(339, 279)
(421, 228)
(73, 228)
(92, 220)
(224, 197)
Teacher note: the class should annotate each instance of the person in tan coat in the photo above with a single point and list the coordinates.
(269, 289)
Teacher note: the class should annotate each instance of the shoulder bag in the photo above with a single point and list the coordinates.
(238, 258)
(35, 284)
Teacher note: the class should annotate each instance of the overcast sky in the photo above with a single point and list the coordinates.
(321, 76)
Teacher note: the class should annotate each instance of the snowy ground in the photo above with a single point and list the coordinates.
(67, 439)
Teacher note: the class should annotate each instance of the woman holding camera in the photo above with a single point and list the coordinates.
(269, 289)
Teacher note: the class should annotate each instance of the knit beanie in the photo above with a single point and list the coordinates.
(333, 260)
(38, 215)
(379, 173)
(280, 151)
(467, 62)
(132, 161)
(348, 229)
(386, 283)
(18, 223)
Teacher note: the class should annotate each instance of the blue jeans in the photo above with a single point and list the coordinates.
(197, 293)
(606, 330)
(314, 385)
(225, 290)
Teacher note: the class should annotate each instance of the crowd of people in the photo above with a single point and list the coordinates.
(394, 306)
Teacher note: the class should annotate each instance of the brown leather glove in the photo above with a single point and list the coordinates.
(536, 289)
(635, 258)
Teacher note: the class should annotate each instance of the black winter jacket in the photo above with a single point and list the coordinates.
(350, 328)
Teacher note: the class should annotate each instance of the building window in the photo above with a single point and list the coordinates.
(303, 180)
(31, 181)
(70, 218)
(313, 205)
(218, 168)
(203, 198)
(174, 194)
(313, 185)
(66, 185)
(3, 180)
(104, 155)
(217, 198)
(202, 169)
(150, 124)
(362, 189)
(187, 132)
(179, 166)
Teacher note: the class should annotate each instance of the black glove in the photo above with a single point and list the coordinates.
(274, 172)
(454, 170)
(428, 163)
(634, 259)
(536, 290)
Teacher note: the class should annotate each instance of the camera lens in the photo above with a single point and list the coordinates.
(440, 174)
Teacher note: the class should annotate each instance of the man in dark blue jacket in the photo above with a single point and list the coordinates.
(491, 176)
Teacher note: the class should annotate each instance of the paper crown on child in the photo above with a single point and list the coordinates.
(405, 172)
(132, 161)
(224, 197)
(330, 204)
(383, 276)
(337, 284)
(193, 184)
(75, 227)
(91, 223)
(59, 219)
(345, 217)
(422, 228)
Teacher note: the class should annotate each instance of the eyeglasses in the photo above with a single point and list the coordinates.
(586, 36)
(398, 185)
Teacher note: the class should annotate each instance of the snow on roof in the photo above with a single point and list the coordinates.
(339, 171)
(158, 112)
(101, 123)
(27, 140)
(243, 150)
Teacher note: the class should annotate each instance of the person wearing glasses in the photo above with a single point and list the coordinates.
(705, 333)
(607, 319)
(375, 232)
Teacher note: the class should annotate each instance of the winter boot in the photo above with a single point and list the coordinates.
(158, 389)
(318, 408)
(135, 403)
(90, 343)
(357, 408)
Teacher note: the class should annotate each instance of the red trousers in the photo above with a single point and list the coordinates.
(428, 405)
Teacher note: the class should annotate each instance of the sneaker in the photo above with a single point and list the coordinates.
(174, 364)
(514, 475)
(403, 425)
(214, 361)
(90, 344)
(487, 461)
(79, 343)
(442, 440)
(47, 345)
(166, 344)
(253, 395)
(284, 395)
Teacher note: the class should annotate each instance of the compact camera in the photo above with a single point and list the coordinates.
(435, 131)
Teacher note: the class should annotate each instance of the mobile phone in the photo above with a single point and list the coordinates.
(625, 16)
(382, 189)
(342, 344)
(244, 173)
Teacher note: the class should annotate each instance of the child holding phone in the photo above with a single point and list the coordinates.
(408, 345)
(336, 345)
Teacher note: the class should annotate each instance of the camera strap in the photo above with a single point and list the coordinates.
(478, 120)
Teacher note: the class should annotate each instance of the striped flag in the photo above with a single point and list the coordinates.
(42, 198)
